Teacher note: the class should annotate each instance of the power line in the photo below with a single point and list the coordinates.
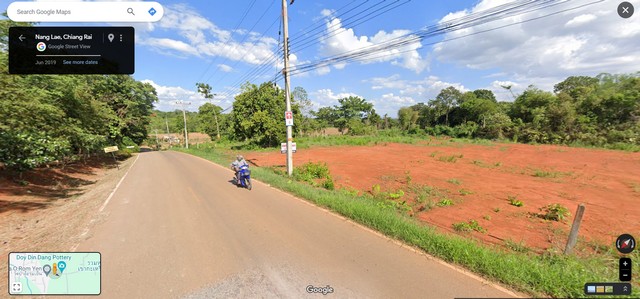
(246, 36)
(246, 12)
(419, 35)
(262, 69)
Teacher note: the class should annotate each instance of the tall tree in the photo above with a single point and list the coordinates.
(446, 100)
(205, 90)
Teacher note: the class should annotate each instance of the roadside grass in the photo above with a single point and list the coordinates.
(517, 246)
(540, 275)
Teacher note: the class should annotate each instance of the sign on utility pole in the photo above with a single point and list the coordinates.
(288, 118)
(287, 89)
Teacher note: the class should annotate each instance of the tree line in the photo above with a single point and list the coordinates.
(46, 118)
(598, 111)
(595, 111)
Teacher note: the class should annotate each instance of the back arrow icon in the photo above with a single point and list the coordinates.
(21, 38)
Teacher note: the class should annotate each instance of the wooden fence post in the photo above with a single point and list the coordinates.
(573, 235)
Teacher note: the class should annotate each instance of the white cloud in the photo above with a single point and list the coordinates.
(170, 46)
(326, 12)
(326, 97)
(580, 20)
(200, 37)
(421, 90)
(342, 40)
(586, 41)
(225, 68)
(168, 95)
(390, 103)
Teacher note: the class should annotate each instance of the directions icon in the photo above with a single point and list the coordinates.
(625, 243)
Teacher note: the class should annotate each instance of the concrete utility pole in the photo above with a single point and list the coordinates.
(184, 116)
(215, 115)
(287, 88)
(168, 134)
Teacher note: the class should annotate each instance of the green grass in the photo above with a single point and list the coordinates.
(472, 225)
(517, 247)
(449, 159)
(445, 202)
(343, 140)
(555, 212)
(464, 192)
(513, 200)
(538, 275)
(454, 181)
(546, 174)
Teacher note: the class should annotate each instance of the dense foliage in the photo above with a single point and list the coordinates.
(258, 114)
(45, 118)
(602, 110)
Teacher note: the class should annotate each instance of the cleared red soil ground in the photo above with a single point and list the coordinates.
(607, 182)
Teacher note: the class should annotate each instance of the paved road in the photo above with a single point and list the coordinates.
(176, 227)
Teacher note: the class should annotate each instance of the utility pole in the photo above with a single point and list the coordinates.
(287, 88)
(184, 116)
(168, 134)
(215, 115)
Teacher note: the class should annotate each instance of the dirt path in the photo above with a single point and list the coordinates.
(43, 217)
(480, 179)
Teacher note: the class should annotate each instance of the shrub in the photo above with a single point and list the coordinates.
(513, 200)
(555, 212)
(314, 173)
(472, 225)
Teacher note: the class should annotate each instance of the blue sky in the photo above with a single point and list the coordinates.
(204, 41)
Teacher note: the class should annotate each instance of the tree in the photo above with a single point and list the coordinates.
(258, 114)
(408, 118)
(353, 108)
(576, 86)
(306, 123)
(446, 100)
(326, 116)
(477, 109)
(485, 94)
(205, 90)
(208, 118)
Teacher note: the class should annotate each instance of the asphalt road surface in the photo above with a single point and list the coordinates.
(176, 227)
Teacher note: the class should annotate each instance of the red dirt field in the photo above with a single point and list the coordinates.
(607, 182)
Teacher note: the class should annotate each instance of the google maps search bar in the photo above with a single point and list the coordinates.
(85, 11)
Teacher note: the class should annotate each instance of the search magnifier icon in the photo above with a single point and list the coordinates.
(130, 10)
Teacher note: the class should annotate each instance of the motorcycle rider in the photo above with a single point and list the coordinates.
(235, 165)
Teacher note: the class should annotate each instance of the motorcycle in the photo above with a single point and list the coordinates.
(245, 177)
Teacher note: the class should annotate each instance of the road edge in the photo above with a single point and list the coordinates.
(413, 249)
